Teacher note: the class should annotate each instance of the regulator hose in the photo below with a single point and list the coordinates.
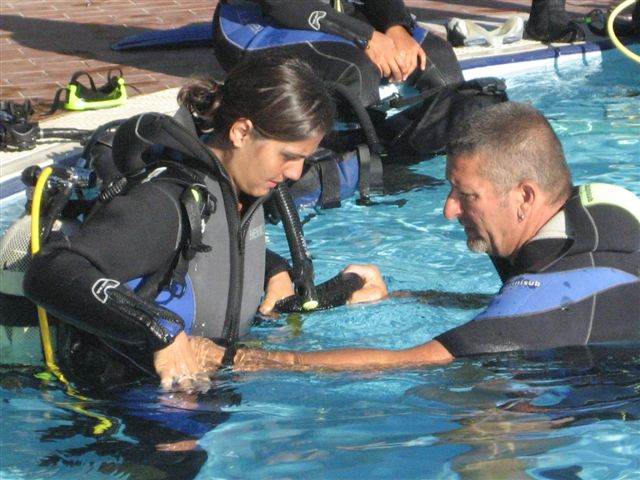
(302, 272)
(66, 133)
(612, 34)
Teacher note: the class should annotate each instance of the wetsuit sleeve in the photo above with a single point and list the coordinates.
(384, 14)
(82, 281)
(274, 264)
(316, 15)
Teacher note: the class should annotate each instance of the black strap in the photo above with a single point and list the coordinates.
(229, 354)
(193, 208)
(196, 211)
(370, 172)
(329, 184)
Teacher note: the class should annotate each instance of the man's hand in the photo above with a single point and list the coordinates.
(382, 51)
(279, 286)
(374, 287)
(410, 54)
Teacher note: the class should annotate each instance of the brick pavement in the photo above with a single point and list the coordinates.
(43, 42)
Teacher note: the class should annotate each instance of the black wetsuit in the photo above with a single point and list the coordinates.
(576, 283)
(142, 235)
(332, 42)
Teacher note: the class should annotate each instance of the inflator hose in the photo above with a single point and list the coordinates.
(36, 205)
(363, 117)
(104, 424)
(302, 271)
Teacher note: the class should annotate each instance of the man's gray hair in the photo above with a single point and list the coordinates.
(515, 142)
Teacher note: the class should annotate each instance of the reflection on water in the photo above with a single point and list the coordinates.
(518, 408)
(154, 434)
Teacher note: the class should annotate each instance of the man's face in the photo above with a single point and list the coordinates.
(490, 219)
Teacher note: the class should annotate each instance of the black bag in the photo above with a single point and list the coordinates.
(422, 128)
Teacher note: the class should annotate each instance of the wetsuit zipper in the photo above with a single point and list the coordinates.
(238, 228)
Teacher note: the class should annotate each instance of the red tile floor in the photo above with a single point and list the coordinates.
(43, 42)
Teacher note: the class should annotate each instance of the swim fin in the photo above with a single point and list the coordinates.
(194, 34)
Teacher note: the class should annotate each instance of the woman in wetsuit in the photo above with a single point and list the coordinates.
(103, 283)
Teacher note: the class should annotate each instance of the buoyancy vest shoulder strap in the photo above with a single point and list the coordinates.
(136, 137)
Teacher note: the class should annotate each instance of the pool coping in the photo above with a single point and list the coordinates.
(14, 162)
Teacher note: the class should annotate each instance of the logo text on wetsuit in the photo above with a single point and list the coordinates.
(315, 17)
(524, 283)
(101, 288)
(256, 232)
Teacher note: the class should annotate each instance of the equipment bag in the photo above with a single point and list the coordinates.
(422, 127)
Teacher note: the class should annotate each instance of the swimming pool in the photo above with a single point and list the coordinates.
(570, 414)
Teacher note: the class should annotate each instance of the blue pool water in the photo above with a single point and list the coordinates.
(564, 415)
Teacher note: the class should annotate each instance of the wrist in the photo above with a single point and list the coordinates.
(362, 43)
(398, 30)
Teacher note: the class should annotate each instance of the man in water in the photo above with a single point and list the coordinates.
(569, 256)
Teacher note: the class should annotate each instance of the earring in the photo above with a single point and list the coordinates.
(520, 216)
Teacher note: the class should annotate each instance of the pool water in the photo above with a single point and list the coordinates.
(569, 414)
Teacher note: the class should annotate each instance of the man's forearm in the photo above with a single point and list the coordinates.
(344, 359)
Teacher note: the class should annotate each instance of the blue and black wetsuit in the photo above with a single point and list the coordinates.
(331, 42)
(576, 283)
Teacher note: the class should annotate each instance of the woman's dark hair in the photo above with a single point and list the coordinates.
(281, 95)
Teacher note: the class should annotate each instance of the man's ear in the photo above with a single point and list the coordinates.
(529, 195)
(240, 131)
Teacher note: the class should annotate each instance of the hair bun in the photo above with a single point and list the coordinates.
(202, 98)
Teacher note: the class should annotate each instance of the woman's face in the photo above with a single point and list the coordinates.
(257, 165)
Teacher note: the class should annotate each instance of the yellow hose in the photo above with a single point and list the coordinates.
(612, 34)
(45, 335)
(104, 424)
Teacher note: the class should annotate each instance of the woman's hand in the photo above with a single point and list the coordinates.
(176, 364)
(410, 54)
(187, 362)
(374, 287)
(279, 286)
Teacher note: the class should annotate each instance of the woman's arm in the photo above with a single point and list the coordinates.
(83, 281)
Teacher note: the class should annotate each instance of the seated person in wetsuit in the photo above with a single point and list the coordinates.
(569, 257)
(267, 117)
(354, 43)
